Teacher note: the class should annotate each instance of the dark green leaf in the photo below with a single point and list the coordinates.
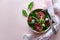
(36, 20)
(33, 14)
(24, 13)
(31, 25)
(44, 28)
(30, 5)
(33, 28)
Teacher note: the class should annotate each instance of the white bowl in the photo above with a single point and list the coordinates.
(40, 32)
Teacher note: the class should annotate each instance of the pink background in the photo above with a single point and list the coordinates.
(13, 25)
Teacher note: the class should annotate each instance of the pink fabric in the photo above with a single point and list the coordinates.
(13, 25)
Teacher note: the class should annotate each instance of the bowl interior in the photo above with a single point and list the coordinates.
(33, 14)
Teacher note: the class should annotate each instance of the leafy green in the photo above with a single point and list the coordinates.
(33, 28)
(44, 28)
(41, 21)
(36, 20)
(24, 13)
(33, 14)
(30, 5)
(31, 25)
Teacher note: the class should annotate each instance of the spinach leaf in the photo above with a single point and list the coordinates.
(44, 28)
(30, 5)
(24, 13)
(31, 24)
(33, 14)
(36, 20)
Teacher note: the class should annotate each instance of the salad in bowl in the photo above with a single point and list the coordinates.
(38, 20)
